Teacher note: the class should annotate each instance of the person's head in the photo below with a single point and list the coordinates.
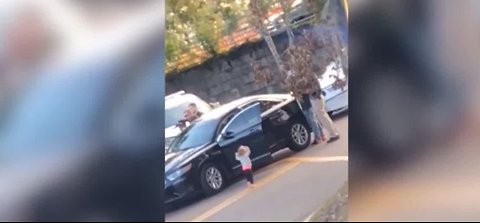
(242, 150)
(191, 113)
(193, 107)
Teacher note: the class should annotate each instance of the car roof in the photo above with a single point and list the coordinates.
(180, 99)
(223, 110)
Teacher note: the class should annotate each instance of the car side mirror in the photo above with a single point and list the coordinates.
(228, 135)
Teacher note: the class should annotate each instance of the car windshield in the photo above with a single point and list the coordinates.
(175, 114)
(197, 134)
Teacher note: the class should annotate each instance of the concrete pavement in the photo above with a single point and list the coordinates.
(286, 190)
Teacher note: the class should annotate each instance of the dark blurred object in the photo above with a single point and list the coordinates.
(85, 140)
(414, 110)
(182, 124)
(401, 96)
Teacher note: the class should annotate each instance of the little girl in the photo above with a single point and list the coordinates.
(243, 155)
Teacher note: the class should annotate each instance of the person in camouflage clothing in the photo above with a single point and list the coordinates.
(302, 81)
(298, 60)
(303, 96)
(299, 76)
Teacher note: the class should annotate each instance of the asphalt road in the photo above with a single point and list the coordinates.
(286, 190)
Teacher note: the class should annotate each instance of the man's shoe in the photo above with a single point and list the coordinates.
(335, 138)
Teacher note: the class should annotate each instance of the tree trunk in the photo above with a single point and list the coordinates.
(286, 18)
(343, 55)
(266, 36)
(338, 44)
(344, 45)
(271, 45)
(273, 49)
(291, 36)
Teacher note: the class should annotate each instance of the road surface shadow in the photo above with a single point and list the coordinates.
(185, 202)
(197, 198)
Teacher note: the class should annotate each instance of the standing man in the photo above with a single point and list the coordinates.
(309, 113)
(318, 104)
(310, 116)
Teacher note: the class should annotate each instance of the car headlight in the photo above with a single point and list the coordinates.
(180, 172)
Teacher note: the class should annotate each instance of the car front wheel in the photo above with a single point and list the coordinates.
(212, 179)
(299, 137)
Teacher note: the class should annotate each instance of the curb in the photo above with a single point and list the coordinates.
(325, 207)
(310, 217)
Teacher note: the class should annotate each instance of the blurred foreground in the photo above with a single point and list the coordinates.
(81, 110)
(415, 115)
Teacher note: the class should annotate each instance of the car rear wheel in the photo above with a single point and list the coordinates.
(299, 137)
(212, 179)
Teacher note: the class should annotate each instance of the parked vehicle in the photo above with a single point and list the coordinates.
(201, 159)
(175, 105)
(335, 90)
(300, 15)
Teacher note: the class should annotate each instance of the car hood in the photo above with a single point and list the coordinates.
(173, 160)
(172, 131)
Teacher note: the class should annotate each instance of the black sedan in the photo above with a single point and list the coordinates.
(202, 158)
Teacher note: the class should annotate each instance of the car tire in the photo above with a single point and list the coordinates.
(212, 179)
(299, 136)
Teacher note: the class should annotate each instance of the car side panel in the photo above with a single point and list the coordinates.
(252, 135)
(277, 123)
(274, 129)
(217, 155)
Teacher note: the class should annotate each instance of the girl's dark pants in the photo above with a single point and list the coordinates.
(248, 175)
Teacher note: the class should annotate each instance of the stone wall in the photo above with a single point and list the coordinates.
(229, 77)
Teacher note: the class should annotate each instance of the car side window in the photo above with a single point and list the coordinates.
(226, 120)
(245, 119)
(268, 104)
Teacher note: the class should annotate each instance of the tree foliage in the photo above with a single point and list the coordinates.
(193, 27)
(299, 59)
(259, 11)
(196, 29)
